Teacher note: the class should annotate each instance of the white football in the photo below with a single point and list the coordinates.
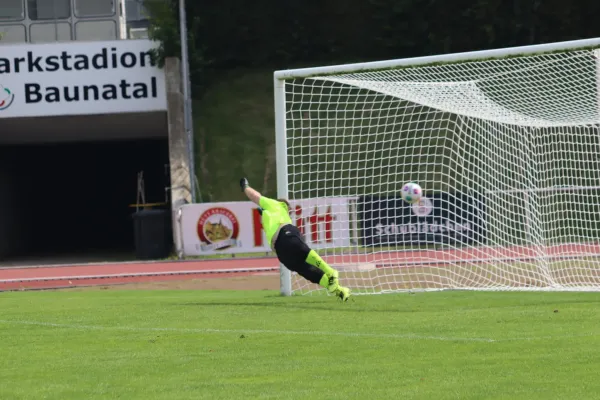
(411, 192)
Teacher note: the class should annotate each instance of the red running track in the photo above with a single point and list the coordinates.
(56, 276)
(104, 274)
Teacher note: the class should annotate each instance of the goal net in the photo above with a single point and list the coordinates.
(504, 143)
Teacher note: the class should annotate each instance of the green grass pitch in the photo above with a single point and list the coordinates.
(257, 345)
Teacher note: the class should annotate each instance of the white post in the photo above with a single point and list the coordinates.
(443, 58)
(285, 276)
(187, 100)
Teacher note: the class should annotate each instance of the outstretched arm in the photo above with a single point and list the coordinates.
(252, 194)
(263, 202)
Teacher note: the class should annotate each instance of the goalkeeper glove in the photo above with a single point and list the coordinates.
(244, 183)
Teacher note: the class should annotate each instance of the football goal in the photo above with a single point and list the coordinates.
(505, 144)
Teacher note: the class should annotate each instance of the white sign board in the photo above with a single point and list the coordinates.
(79, 78)
(235, 227)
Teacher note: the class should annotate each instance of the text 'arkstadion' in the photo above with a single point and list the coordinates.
(65, 61)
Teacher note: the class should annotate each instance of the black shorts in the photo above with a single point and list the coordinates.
(291, 248)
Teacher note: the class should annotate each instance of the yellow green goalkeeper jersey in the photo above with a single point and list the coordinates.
(274, 215)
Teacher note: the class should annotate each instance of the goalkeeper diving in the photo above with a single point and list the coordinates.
(288, 243)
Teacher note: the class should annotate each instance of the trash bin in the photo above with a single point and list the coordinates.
(153, 234)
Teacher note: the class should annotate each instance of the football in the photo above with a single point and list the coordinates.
(411, 192)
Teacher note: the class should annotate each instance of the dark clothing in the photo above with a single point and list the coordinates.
(292, 251)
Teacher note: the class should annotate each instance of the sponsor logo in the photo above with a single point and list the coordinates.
(218, 229)
(423, 207)
(314, 223)
(424, 227)
(440, 218)
(6, 97)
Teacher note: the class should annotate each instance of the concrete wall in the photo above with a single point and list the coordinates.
(178, 148)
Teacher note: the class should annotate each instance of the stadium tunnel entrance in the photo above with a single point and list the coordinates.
(67, 185)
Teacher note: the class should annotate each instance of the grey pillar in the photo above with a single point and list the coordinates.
(178, 149)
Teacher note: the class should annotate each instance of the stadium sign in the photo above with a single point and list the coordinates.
(235, 227)
(440, 218)
(75, 78)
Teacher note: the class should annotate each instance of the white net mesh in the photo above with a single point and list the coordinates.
(507, 152)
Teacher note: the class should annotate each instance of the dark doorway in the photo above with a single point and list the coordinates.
(74, 198)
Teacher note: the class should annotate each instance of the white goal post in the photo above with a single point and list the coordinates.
(505, 144)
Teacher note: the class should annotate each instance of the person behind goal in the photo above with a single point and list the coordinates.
(288, 243)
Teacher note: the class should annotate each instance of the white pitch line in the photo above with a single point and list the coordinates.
(252, 331)
(138, 274)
